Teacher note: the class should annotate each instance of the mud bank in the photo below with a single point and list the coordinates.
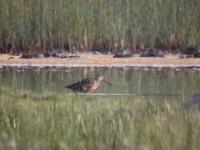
(94, 60)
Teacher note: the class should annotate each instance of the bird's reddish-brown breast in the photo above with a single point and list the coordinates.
(94, 87)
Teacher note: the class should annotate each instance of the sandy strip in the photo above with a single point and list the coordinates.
(93, 60)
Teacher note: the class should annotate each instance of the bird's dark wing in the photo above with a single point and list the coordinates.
(87, 81)
(75, 86)
(81, 86)
(87, 84)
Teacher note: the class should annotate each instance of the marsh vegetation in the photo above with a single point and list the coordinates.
(110, 24)
(52, 121)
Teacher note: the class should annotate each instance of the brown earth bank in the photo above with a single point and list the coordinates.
(100, 60)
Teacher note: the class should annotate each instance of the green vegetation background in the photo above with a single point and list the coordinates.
(72, 24)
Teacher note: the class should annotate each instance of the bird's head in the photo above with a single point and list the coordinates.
(99, 77)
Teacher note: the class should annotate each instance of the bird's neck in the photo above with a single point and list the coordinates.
(98, 81)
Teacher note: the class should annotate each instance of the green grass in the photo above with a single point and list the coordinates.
(100, 23)
(52, 121)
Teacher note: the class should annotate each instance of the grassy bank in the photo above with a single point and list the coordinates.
(98, 23)
(51, 121)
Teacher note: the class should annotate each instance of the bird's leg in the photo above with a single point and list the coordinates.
(108, 82)
(75, 92)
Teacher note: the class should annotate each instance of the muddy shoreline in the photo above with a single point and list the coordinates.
(100, 60)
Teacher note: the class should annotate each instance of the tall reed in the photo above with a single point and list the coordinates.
(68, 24)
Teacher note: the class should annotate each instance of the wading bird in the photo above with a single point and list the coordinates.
(87, 85)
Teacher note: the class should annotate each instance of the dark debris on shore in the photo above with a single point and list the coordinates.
(189, 52)
(47, 54)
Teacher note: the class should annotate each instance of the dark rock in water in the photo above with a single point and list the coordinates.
(54, 54)
(191, 52)
(197, 54)
(66, 55)
(185, 56)
(47, 54)
(152, 53)
(123, 54)
(100, 50)
(40, 56)
(26, 55)
(194, 101)
(29, 55)
(59, 54)
(73, 56)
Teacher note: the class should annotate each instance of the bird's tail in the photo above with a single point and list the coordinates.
(71, 86)
(68, 86)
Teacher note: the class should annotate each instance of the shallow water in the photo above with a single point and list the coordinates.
(144, 106)
(156, 83)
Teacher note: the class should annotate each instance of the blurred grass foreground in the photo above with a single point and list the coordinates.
(112, 24)
(44, 121)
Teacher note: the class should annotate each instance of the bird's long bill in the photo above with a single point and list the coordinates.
(108, 82)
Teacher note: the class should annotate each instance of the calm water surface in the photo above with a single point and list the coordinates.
(157, 83)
